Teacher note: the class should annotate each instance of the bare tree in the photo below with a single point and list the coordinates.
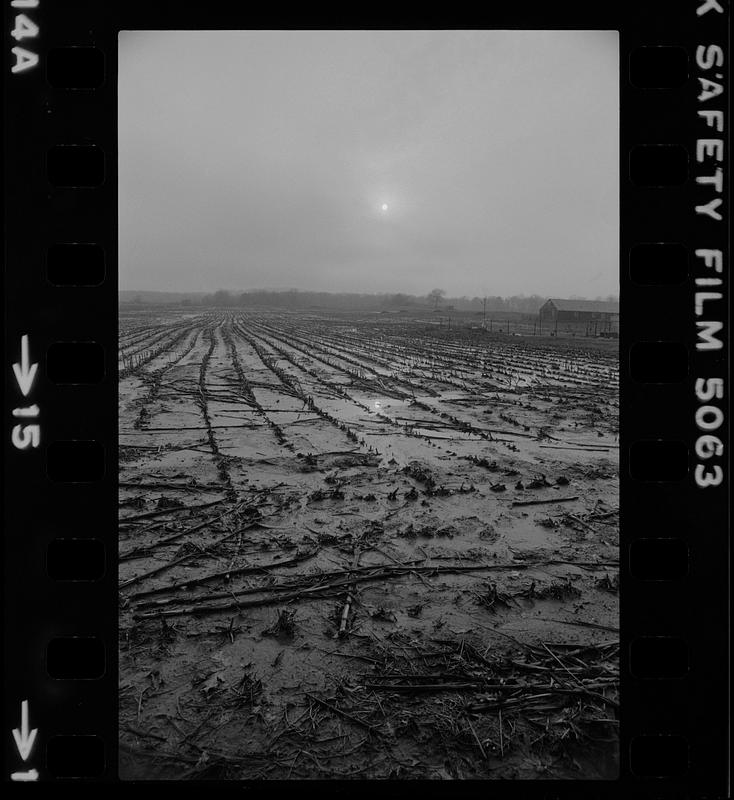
(435, 295)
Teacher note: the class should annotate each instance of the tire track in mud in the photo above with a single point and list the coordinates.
(400, 354)
(153, 380)
(294, 386)
(395, 366)
(448, 421)
(330, 351)
(400, 430)
(202, 402)
(461, 426)
(246, 387)
(358, 377)
(398, 394)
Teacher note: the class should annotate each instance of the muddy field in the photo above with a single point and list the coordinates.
(365, 547)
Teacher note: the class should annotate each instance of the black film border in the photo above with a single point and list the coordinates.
(61, 209)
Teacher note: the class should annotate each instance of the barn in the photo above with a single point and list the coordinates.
(579, 317)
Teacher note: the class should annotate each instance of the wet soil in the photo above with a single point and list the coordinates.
(353, 547)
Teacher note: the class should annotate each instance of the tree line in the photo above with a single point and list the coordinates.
(435, 300)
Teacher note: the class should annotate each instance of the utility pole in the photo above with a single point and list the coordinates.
(484, 314)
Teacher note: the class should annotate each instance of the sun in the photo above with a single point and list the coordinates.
(384, 207)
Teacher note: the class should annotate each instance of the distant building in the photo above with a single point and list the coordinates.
(579, 317)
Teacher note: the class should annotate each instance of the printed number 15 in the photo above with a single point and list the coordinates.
(25, 436)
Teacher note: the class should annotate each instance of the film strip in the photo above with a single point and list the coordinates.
(61, 333)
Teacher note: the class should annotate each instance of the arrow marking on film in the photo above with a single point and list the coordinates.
(31, 775)
(25, 372)
(30, 411)
(24, 738)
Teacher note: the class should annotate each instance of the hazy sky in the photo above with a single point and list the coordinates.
(263, 159)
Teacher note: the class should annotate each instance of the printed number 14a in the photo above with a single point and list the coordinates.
(24, 28)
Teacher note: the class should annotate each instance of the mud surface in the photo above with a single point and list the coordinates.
(353, 547)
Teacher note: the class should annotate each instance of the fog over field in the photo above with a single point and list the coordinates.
(484, 162)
